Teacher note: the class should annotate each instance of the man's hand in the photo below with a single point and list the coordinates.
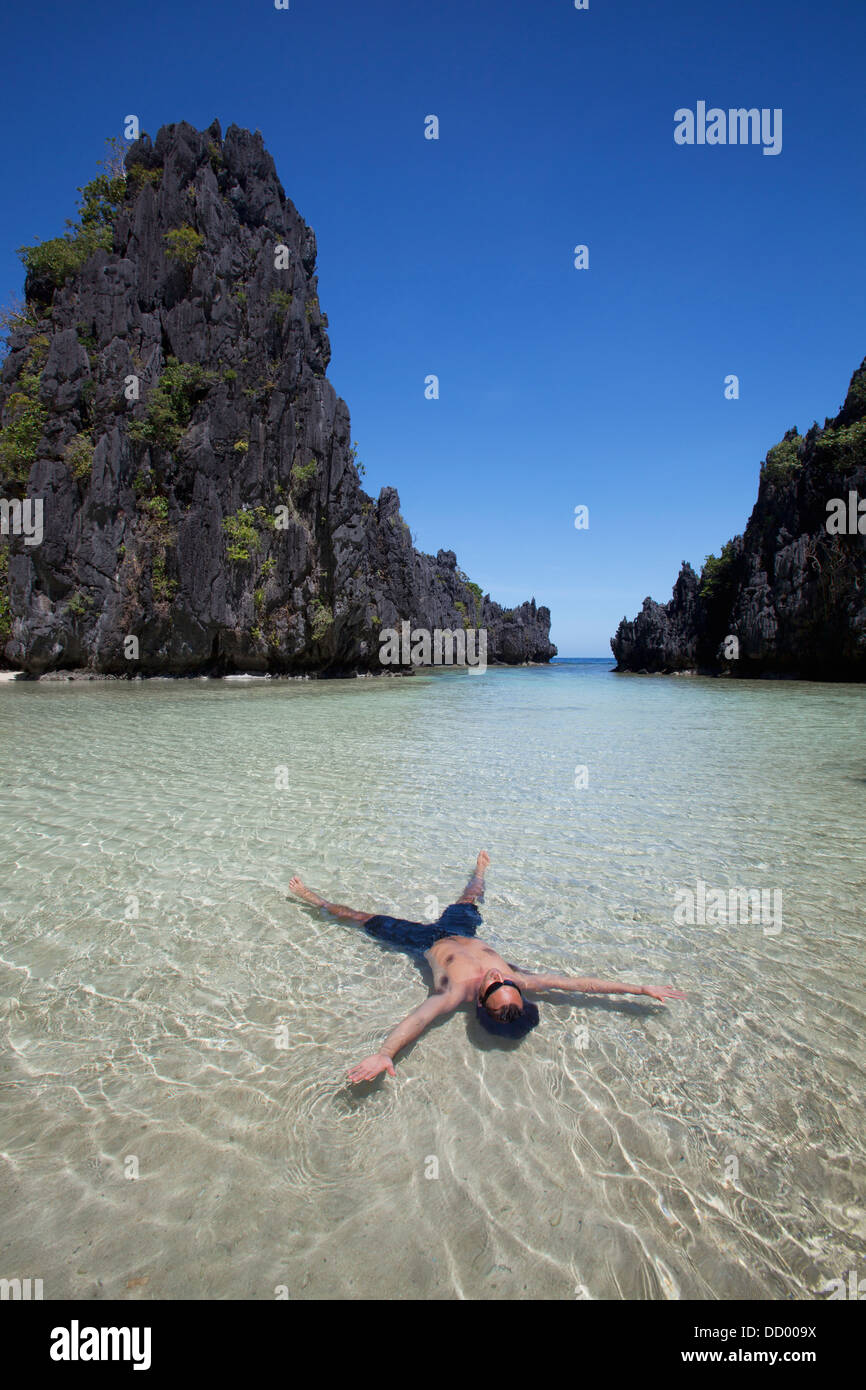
(372, 1066)
(663, 992)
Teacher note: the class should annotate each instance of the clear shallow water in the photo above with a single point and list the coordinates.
(149, 957)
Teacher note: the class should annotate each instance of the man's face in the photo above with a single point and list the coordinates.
(498, 999)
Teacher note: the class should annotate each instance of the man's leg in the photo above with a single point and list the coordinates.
(475, 887)
(347, 913)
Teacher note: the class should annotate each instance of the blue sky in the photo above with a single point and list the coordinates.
(559, 387)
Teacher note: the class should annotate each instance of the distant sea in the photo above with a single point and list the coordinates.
(175, 1029)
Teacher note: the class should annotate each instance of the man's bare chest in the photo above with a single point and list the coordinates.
(456, 961)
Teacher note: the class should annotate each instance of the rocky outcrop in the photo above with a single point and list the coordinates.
(165, 396)
(788, 597)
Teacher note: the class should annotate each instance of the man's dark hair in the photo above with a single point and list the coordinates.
(512, 1022)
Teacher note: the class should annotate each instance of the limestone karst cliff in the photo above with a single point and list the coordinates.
(788, 597)
(165, 396)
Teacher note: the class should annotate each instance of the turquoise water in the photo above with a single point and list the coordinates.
(168, 1013)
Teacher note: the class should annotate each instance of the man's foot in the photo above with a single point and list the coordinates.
(298, 886)
(482, 861)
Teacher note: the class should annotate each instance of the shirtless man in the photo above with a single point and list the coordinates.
(464, 969)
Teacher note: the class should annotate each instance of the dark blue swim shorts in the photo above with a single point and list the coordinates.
(460, 919)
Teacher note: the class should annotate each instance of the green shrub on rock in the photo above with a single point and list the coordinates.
(57, 258)
(79, 455)
(243, 536)
(845, 447)
(783, 459)
(183, 244)
(304, 472)
(323, 620)
(164, 589)
(171, 404)
(24, 415)
(138, 177)
(716, 572)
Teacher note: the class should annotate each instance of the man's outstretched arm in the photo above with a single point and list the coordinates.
(586, 985)
(412, 1027)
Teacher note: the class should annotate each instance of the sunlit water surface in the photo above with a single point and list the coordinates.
(169, 1011)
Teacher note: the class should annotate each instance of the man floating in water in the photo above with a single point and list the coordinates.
(463, 969)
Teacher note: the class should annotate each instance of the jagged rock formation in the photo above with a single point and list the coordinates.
(790, 591)
(217, 518)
